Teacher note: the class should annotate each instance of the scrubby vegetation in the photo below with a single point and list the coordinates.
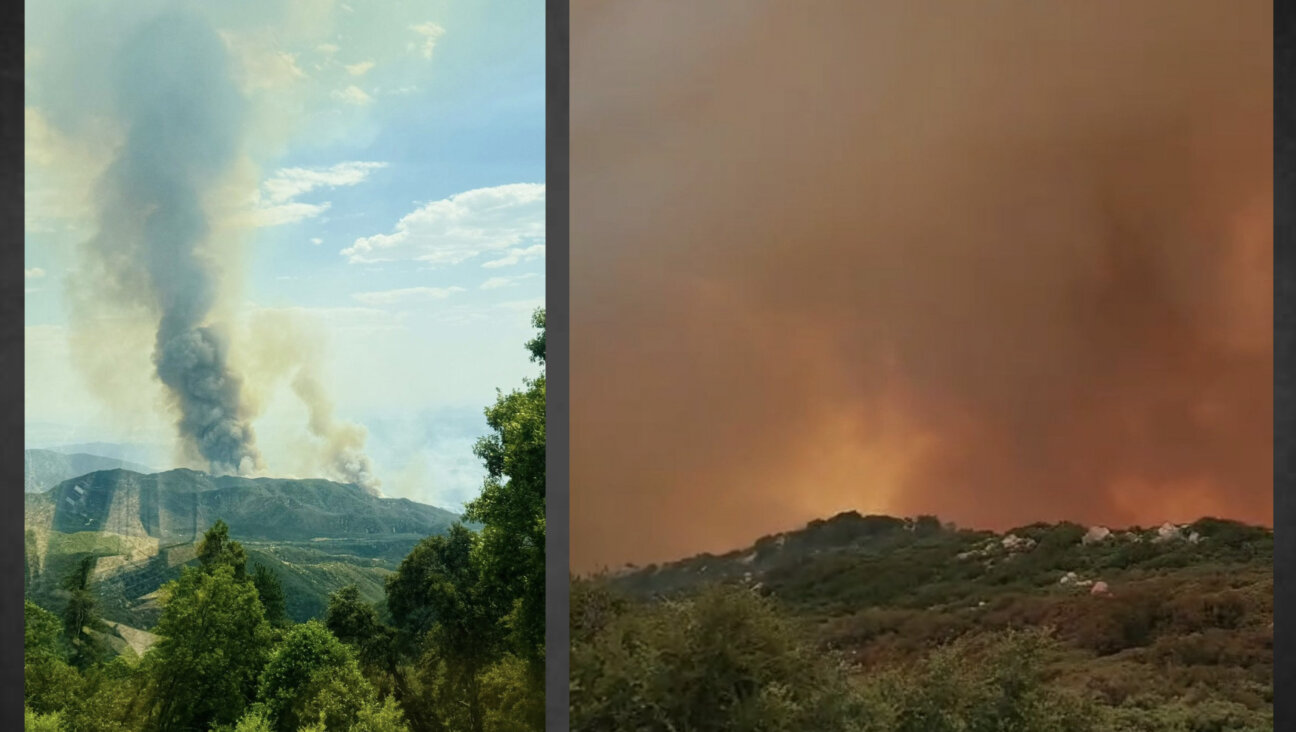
(455, 644)
(878, 623)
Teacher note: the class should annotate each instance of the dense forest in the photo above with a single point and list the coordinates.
(456, 644)
(882, 624)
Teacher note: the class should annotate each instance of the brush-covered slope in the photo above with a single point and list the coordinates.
(316, 535)
(43, 469)
(1162, 623)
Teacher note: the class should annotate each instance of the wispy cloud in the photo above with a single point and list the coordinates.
(495, 283)
(353, 95)
(430, 33)
(275, 201)
(35, 273)
(408, 294)
(461, 227)
(316, 241)
(516, 256)
(359, 69)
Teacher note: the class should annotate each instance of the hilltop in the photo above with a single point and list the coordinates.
(43, 469)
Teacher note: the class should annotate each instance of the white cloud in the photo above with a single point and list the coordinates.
(352, 95)
(264, 64)
(275, 201)
(461, 227)
(34, 273)
(495, 283)
(516, 256)
(328, 49)
(317, 241)
(359, 69)
(431, 33)
(511, 311)
(390, 297)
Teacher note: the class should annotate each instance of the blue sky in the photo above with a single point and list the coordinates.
(388, 199)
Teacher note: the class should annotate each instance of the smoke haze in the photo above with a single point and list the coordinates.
(1002, 262)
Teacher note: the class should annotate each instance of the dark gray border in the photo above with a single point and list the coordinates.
(557, 470)
(11, 365)
(1284, 358)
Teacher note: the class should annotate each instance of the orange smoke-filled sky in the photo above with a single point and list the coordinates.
(1002, 262)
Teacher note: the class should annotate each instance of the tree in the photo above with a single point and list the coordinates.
(350, 618)
(50, 684)
(724, 660)
(216, 548)
(439, 596)
(79, 617)
(311, 673)
(214, 643)
(356, 623)
(271, 594)
(537, 345)
(511, 507)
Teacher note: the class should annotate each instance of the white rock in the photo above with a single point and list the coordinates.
(1099, 588)
(1168, 532)
(1095, 534)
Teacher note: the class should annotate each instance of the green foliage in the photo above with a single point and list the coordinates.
(349, 617)
(513, 702)
(944, 629)
(298, 682)
(79, 617)
(50, 683)
(511, 508)
(255, 720)
(270, 592)
(725, 659)
(217, 549)
(35, 722)
(537, 345)
(214, 643)
(994, 683)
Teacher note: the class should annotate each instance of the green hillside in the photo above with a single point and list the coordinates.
(315, 535)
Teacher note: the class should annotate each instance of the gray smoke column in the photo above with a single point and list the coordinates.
(181, 114)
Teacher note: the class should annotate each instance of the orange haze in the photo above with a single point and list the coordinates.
(999, 261)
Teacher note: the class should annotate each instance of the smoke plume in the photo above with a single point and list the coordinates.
(283, 345)
(1002, 262)
(181, 115)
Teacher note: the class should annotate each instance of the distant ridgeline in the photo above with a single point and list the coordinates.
(852, 561)
(44, 469)
(315, 535)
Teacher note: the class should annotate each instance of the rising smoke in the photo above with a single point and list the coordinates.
(1002, 262)
(162, 256)
(285, 346)
(182, 115)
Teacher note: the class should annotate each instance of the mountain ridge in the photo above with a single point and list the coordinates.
(316, 535)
